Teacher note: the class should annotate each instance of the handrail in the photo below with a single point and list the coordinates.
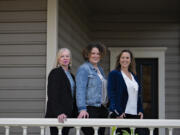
(164, 123)
(42, 123)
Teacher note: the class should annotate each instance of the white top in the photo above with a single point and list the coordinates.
(104, 99)
(132, 88)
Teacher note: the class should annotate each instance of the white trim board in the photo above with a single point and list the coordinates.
(148, 52)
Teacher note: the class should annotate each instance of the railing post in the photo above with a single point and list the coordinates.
(95, 130)
(78, 130)
(133, 130)
(7, 130)
(42, 130)
(24, 130)
(59, 130)
(113, 130)
(151, 131)
(170, 131)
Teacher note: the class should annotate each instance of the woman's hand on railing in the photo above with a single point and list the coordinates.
(122, 116)
(83, 114)
(62, 118)
(141, 115)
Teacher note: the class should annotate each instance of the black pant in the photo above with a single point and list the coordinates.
(119, 131)
(65, 130)
(95, 112)
(54, 130)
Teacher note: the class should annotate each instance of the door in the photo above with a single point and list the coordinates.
(147, 72)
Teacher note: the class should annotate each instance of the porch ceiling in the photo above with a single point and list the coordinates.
(133, 6)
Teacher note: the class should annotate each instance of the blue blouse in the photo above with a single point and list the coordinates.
(68, 74)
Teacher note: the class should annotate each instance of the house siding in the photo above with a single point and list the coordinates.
(22, 59)
(74, 30)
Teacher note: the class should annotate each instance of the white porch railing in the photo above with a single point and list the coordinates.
(42, 123)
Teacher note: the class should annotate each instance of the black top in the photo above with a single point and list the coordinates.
(60, 99)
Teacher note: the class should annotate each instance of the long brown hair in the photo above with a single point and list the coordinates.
(132, 66)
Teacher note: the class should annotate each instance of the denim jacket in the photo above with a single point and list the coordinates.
(88, 86)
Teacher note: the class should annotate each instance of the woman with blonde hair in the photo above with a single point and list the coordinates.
(61, 91)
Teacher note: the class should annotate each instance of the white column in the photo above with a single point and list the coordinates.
(52, 34)
(52, 39)
(78, 130)
(7, 130)
(151, 131)
(59, 130)
(133, 130)
(96, 130)
(24, 130)
(42, 130)
(170, 131)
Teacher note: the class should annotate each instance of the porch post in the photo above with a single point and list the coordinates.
(52, 34)
(52, 38)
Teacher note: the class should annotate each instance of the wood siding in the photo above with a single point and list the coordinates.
(73, 29)
(22, 59)
(146, 31)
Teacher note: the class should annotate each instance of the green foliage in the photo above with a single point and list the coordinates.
(123, 131)
(113, 130)
(127, 133)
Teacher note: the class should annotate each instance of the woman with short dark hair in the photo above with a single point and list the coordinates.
(91, 92)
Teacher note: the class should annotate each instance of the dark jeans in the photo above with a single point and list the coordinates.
(95, 112)
(138, 131)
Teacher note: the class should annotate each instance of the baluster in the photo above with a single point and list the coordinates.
(77, 130)
(42, 130)
(95, 130)
(59, 130)
(7, 130)
(24, 130)
(170, 131)
(113, 130)
(133, 130)
(151, 131)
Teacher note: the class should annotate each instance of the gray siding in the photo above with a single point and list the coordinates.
(73, 29)
(22, 59)
(147, 31)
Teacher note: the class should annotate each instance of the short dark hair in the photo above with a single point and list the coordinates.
(87, 50)
(132, 66)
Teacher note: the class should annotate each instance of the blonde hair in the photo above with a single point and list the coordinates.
(59, 54)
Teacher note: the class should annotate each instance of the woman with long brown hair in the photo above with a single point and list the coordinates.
(124, 89)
